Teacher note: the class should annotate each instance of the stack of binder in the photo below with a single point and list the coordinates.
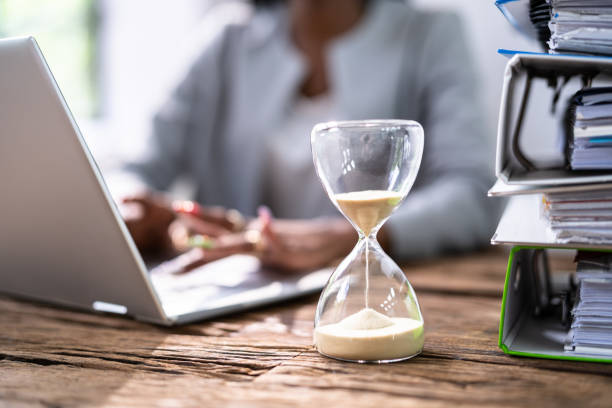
(546, 311)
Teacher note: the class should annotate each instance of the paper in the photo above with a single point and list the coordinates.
(581, 26)
(580, 217)
(591, 328)
(590, 128)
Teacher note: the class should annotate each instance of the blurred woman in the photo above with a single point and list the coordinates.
(238, 124)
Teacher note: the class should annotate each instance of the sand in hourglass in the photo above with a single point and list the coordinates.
(369, 335)
(369, 207)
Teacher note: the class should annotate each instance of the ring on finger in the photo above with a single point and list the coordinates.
(255, 238)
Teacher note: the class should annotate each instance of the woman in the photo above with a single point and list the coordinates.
(238, 124)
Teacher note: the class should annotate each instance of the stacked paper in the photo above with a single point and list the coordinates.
(590, 117)
(581, 26)
(591, 329)
(582, 217)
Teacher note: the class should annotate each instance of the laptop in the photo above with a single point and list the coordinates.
(62, 239)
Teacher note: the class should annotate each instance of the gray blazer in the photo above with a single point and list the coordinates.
(398, 63)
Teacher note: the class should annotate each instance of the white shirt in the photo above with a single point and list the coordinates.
(288, 148)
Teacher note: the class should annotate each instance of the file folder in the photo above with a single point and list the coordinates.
(558, 307)
(530, 325)
(510, 166)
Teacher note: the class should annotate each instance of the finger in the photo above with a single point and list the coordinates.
(138, 199)
(127, 200)
(265, 225)
(293, 259)
(179, 236)
(233, 244)
(197, 257)
(148, 202)
(265, 216)
(228, 219)
(198, 226)
(131, 212)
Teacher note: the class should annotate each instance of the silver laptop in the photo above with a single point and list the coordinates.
(62, 239)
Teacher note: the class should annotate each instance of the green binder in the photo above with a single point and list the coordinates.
(530, 326)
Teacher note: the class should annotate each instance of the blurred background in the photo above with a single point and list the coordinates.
(115, 60)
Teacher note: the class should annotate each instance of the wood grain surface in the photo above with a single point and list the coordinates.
(56, 357)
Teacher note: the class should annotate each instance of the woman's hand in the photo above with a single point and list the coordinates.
(159, 225)
(291, 245)
(148, 217)
(197, 226)
(297, 245)
(205, 234)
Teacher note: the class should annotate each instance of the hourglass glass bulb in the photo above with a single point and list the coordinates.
(368, 311)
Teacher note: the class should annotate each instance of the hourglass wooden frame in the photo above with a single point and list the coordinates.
(368, 311)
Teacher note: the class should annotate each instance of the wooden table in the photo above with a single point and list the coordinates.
(53, 357)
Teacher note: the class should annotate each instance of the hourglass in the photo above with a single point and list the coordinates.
(368, 311)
